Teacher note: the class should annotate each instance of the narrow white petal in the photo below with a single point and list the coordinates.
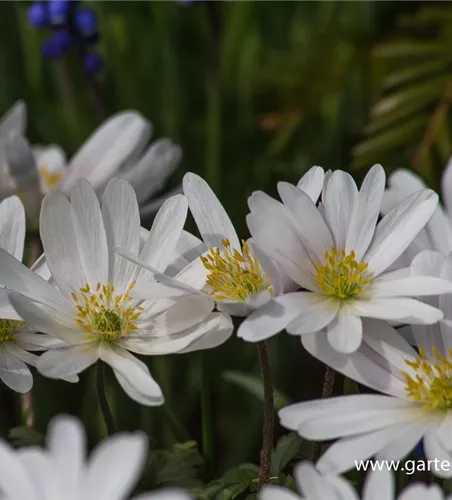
(317, 312)
(345, 332)
(398, 308)
(122, 226)
(422, 492)
(165, 233)
(311, 227)
(312, 182)
(109, 476)
(211, 218)
(15, 481)
(311, 484)
(398, 228)
(359, 366)
(338, 199)
(434, 450)
(445, 432)
(89, 232)
(67, 446)
(60, 243)
(274, 316)
(273, 492)
(14, 372)
(446, 186)
(112, 144)
(67, 361)
(165, 494)
(410, 287)
(365, 212)
(379, 485)
(12, 226)
(132, 374)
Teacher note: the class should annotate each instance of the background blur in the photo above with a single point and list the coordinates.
(255, 92)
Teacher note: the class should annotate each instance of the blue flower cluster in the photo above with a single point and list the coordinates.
(71, 23)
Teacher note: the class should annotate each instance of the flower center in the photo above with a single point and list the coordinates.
(8, 327)
(104, 314)
(432, 384)
(50, 180)
(234, 275)
(341, 275)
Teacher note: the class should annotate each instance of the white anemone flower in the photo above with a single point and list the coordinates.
(62, 469)
(437, 234)
(416, 384)
(238, 275)
(117, 148)
(16, 338)
(379, 485)
(339, 254)
(92, 306)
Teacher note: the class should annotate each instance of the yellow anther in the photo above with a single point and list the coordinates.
(8, 328)
(105, 315)
(234, 275)
(50, 179)
(432, 382)
(341, 275)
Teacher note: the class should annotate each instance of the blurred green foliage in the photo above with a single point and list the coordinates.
(255, 92)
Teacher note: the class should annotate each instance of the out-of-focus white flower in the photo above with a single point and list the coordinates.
(63, 471)
(379, 485)
(117, 148)
(16, 338)
(340, 256)
(93, 306)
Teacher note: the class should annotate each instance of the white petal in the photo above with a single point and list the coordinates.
(310, 483)
(38, 341)
(398, 228)
(165, 494)
(315, 314)
(446, 186)
(427, 263)
(273, 492)
(410, 287)
(14, 372)
(67, 361)
(365, 212)
(14, 120)
(343, 454)
(434, 450)
(445, 432)
(188, 249)
(165, 233)
(269, 267)
(151, 172)
(379, 485)
(211, 218)
(345, 332)
(112, 144)
(60, 243)
(109, 476)
(422, 492)
(398, 308)
(293, 416)
(312, 230)
(15, 482)
(122, 226)
(67, 446)
(274, 316)
(12, 226)
(312, 182)
(406, 441)
(359, 366)
(338, 199)
(132, 374)
(89, 232)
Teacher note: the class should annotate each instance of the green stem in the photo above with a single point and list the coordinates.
(102, 398)
(206, 412)
(269, 409)
(327, 391)
(180, 433)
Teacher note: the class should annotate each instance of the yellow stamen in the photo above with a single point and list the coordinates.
(432, 384)
(51, 179)
(234, 275)
(341, 275)
(8, 328)
(105, 315)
